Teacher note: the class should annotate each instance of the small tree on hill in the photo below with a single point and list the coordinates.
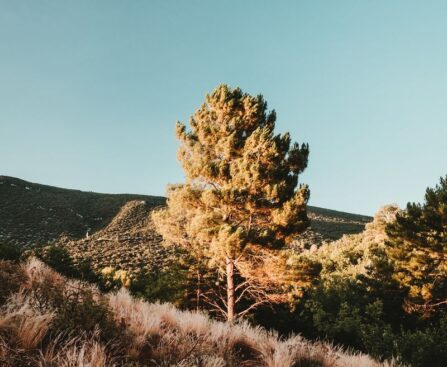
(418, 245)
(241, 201)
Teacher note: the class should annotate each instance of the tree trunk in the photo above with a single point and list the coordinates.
(198, 291)
(230, 289)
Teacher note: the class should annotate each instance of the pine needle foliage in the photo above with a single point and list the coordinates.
(241, 198)
(418, 245)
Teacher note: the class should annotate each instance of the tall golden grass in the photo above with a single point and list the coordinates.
(151, 334)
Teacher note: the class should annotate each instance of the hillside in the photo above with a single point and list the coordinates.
(128, 242)
(38, 214)
(32, 213)
(48, 320)
(115, 229)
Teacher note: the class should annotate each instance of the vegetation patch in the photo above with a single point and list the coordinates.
(54, 321)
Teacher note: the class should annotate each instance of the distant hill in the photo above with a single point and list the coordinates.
(115, 229)
(32, 214)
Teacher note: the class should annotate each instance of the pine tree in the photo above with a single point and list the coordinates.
(241, 202)
(418, 245)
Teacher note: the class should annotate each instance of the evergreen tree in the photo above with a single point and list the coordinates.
(241, 201)
(418, 245)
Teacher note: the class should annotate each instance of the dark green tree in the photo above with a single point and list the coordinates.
(418, 246)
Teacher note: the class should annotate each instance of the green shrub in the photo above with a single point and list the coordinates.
(77, 306)
(59, 259)
(82, 311)
(424, 347)
(165, 286)
(10, 252)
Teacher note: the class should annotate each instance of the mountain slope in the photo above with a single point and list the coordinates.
(38, 214)
(128, 242)
(115, 229)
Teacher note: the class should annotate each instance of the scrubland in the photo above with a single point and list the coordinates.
(49, 320)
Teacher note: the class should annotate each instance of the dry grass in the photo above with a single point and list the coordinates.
(163, 333)
(81, 351)
(24, 324)
(154, 335)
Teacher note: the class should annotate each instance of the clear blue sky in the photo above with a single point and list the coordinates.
(90, 90)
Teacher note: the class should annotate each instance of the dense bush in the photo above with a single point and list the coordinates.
(78, 307)
(59, 259)
(168, 285)
(10, 252)
(359, 303)
(82, 311)
(424, 347)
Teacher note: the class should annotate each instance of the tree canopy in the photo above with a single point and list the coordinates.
(418, 245)
(241, 200)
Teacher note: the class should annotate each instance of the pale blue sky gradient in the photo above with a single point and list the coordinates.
(90, 90)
